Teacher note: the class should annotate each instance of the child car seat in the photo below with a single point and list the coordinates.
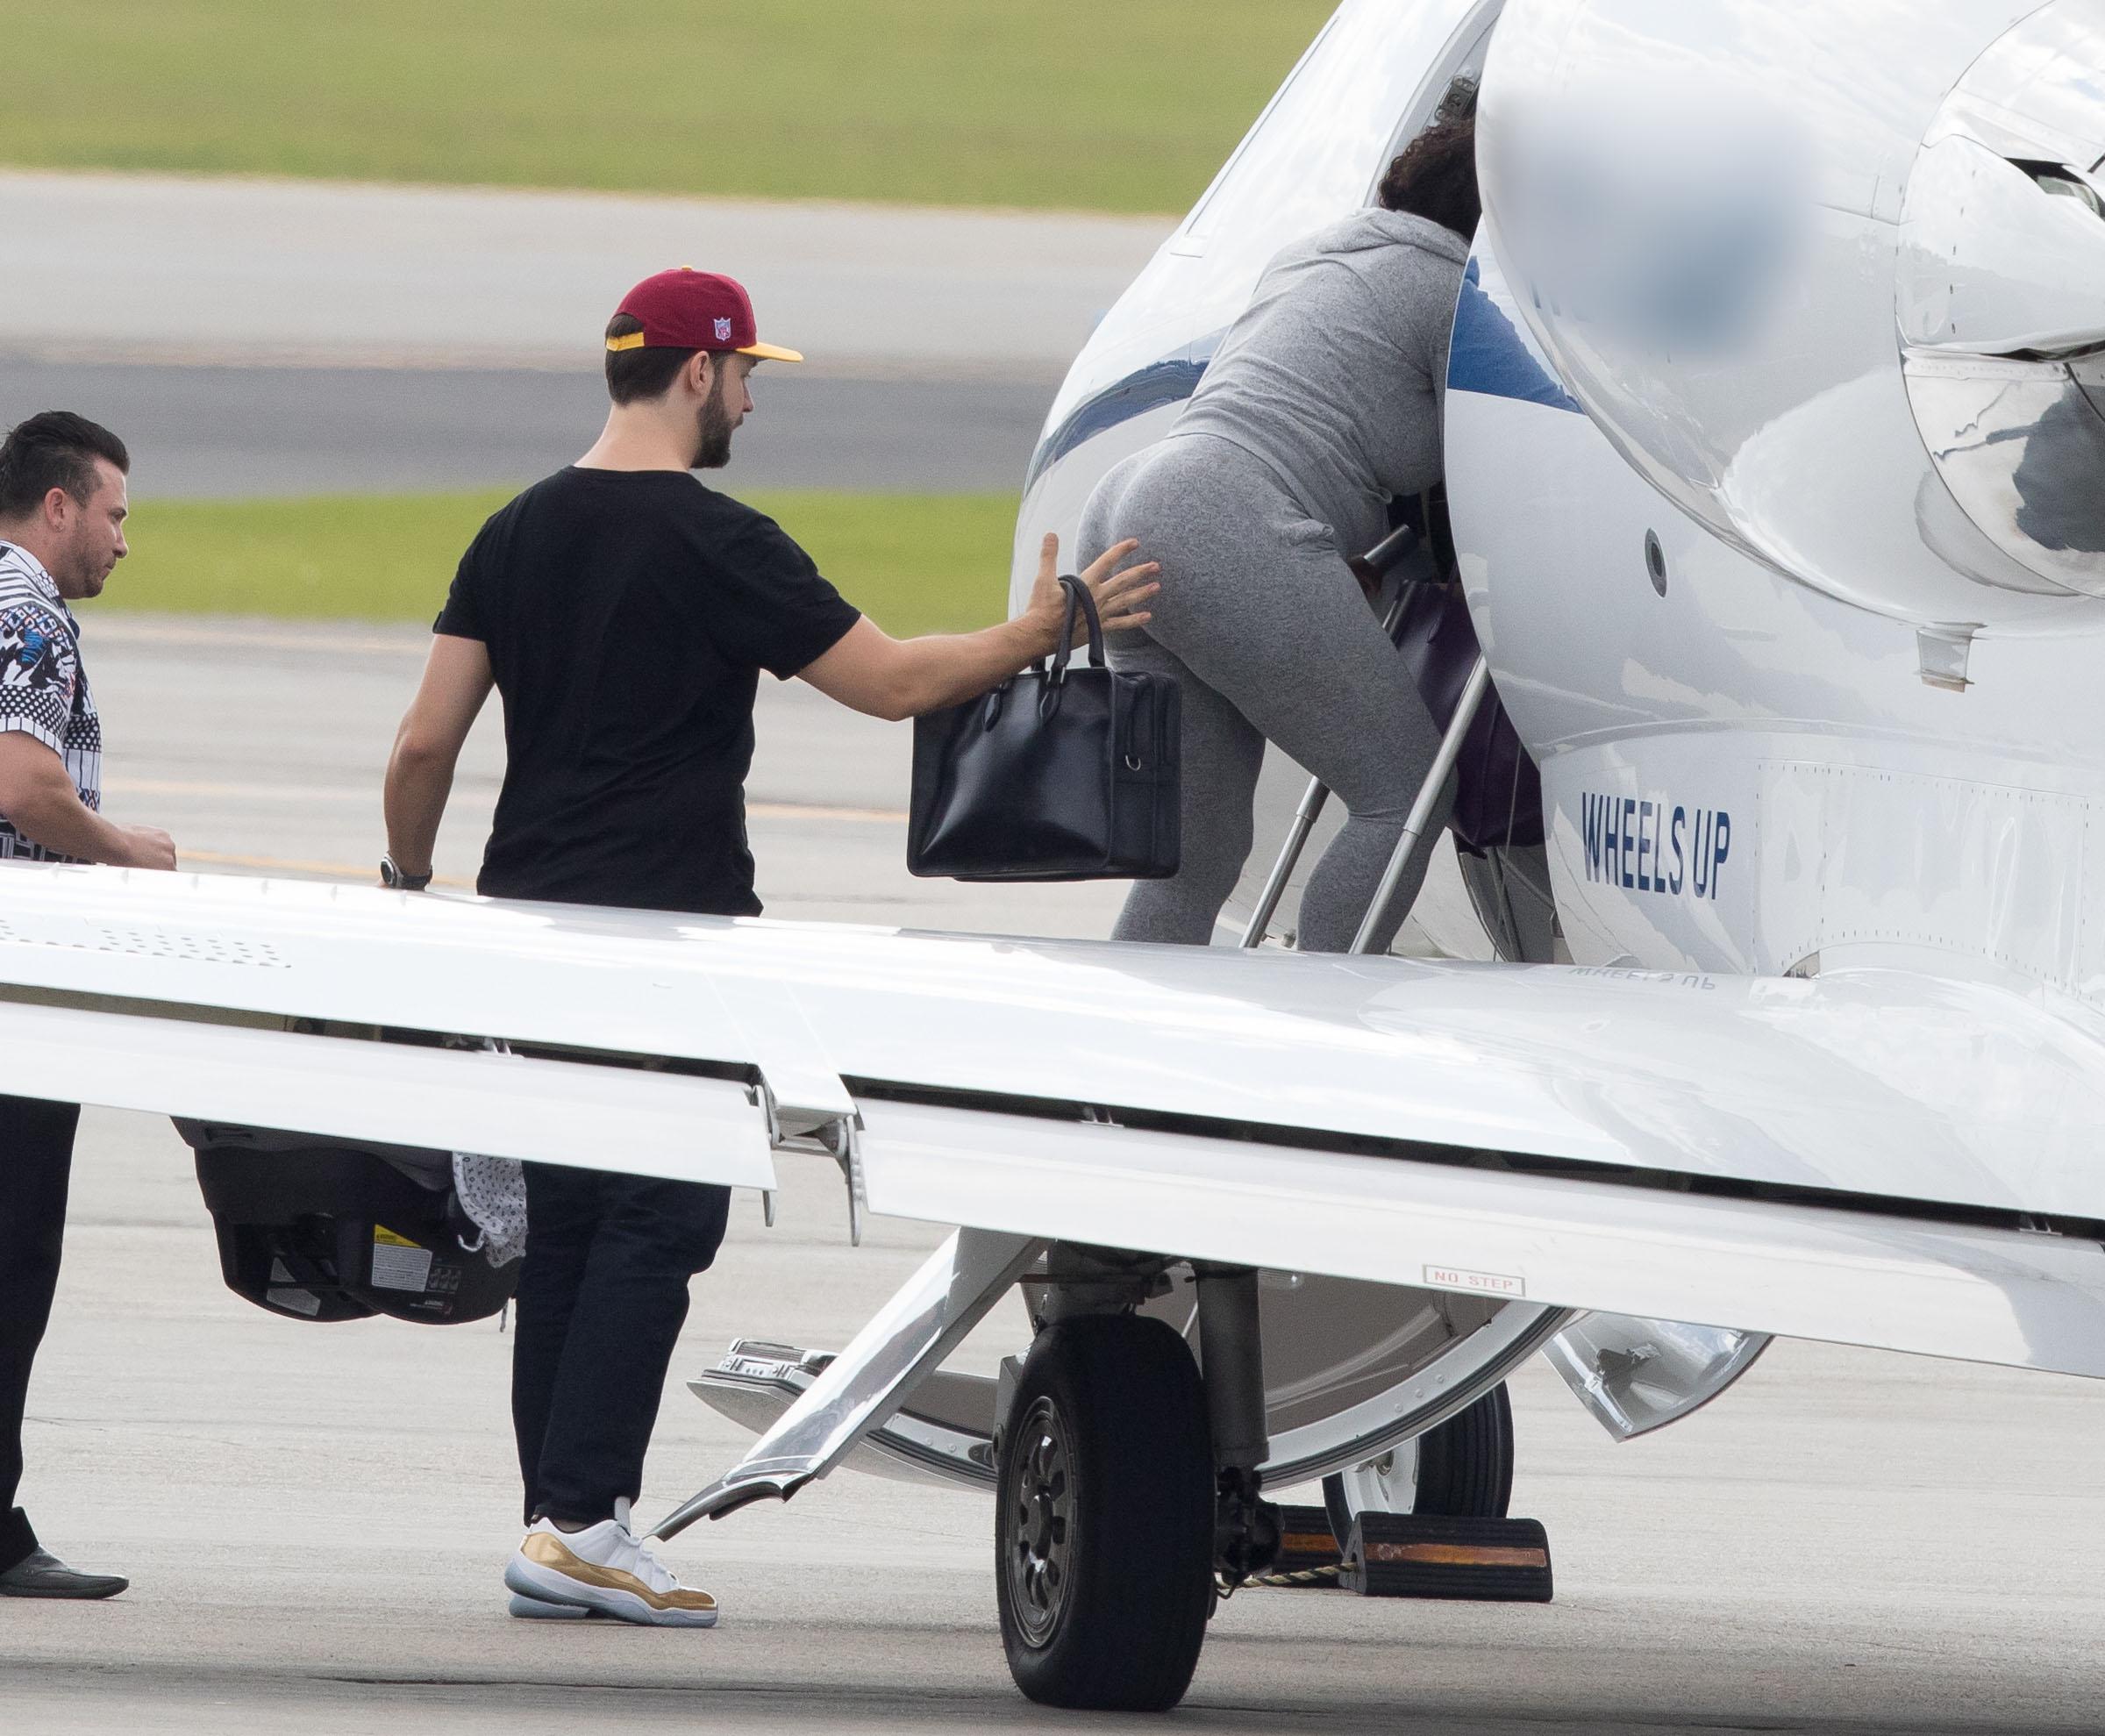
(324, 1229)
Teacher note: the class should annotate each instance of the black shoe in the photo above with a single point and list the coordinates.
(42, 1574)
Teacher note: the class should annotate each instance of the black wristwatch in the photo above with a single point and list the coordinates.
(392, 876)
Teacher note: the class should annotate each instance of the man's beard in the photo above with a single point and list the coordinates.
(712, 436)
(77, 572)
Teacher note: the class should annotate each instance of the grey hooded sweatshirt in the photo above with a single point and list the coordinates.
(1335, 376)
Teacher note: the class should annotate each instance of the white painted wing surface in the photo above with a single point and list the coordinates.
(1855, 1158)
(593, 1117)
(1876, 1083)
(1852, 1276)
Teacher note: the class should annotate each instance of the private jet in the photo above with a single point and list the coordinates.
(1775, 493)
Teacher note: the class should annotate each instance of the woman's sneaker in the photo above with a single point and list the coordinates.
(603, 1569)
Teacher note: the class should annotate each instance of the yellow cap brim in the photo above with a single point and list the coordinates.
(771, 352)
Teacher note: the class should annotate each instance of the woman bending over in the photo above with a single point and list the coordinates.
(1323, 404)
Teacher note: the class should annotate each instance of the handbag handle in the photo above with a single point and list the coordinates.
(1078, 597)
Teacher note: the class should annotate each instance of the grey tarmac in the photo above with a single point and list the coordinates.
(226, 433)
(254, 337)
(153, 267)
(314, 1519)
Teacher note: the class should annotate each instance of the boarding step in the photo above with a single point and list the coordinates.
(943, 1432)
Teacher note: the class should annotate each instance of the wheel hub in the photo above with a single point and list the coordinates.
(1042, 1494)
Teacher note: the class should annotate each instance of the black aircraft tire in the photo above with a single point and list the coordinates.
(1465, 1467)
(1103, 1531)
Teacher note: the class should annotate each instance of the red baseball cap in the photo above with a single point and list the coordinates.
(690, 310)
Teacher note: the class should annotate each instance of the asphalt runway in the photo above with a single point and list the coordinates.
(261, 746)
(255, 338)
(159, 268)
(223, 433)
(315, 1519)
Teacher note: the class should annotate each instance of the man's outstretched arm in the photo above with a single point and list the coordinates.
(420, 770)
(38, 796)
(894, 678)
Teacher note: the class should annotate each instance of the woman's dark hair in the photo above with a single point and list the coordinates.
(53, 450)
(642, 372)
(1436, 176)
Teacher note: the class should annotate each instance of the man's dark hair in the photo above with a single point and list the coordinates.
(1435, 177)
(642, 372)
(53, 450)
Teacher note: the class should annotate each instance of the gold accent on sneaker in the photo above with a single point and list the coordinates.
(549, 1552)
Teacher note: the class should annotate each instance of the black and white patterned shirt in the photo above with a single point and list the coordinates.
(43, 687)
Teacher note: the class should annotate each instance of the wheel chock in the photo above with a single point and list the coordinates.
(1308, 1553)
(1432, 1555)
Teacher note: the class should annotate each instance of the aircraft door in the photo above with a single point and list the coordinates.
(1483, 905)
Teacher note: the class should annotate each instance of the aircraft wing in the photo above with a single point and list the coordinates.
(1873, 1157)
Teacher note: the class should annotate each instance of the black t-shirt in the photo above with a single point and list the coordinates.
(628, 614)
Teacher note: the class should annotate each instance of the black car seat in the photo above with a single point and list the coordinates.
(325, 1229)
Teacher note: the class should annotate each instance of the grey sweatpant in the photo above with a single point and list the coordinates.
(1271, 639)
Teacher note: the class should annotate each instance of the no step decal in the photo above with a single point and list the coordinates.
(1484, 1284)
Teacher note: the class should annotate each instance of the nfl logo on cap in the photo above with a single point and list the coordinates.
(723, 329)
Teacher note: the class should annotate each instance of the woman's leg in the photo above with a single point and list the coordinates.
(1308, 665)
(1270, 629)
(1220, 755)
(1160, 496)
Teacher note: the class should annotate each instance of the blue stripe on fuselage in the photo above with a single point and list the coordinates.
(1489, 356)
(1159, 383)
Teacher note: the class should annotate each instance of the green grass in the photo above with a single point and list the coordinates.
(914, 563)
(1125, 105)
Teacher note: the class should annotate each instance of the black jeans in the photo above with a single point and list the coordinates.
(601, 1299)
(36, 1162)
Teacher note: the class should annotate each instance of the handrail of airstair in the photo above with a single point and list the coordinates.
(1382, 558)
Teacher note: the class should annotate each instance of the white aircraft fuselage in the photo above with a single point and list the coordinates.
(1805, 690)
(1775, 440)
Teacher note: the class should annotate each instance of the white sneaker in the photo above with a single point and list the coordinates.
(533, 1609)
(603, 1569)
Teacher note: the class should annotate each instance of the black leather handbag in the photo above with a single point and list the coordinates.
(1068, 771)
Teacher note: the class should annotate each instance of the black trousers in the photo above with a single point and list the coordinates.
(600, 1300)
(36, 1162)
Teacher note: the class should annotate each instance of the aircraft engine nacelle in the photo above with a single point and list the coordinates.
(1749, 237)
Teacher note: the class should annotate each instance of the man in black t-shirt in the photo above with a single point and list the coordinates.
(637, 609)
(625, 612)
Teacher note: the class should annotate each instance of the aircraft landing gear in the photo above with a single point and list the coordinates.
(1105, 1528)
(1462, 1469)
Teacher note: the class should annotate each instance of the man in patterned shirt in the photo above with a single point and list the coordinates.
(61, 532)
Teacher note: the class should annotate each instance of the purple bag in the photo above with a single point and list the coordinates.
(1498, 792)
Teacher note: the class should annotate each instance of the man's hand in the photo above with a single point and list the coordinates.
(1118, 595)
(152, 847)
(886, 678)
(38, 796)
